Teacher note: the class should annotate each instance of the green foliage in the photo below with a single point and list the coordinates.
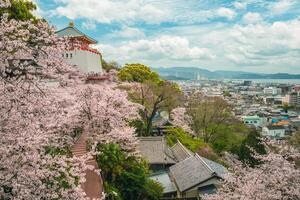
(20, 10)
(250, 143)
(154, 189)
(58, 151)
(126, 177)
(286, 107)
(226, 138)
(138, 73)
(212, 120)
(109, 65)
(294, 140)
(175, 134)
(226, 94)
(140, 127)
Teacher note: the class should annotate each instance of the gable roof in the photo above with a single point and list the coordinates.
(71, 31)
(195, 170)
(155, 150)
(180, 152)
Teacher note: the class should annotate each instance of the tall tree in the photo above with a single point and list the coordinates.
(251, 143)
(112, 65)
(18, 9)
(154, 98)
(138, 73)
(208, 115)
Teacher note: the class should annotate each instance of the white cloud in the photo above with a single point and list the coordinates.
(89, 25)
(281, 6)
(109, 11)
(226, 12)
(161, 48)
(258, 47)
(128, 32)
(240, 5)
(252, 18)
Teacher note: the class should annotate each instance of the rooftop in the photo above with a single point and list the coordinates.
(155, 150)
(72, 31)
(195, 170)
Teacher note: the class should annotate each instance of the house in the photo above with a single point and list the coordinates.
(196, 176)
(80, 52)
(156, 152)
(275, 132)
(181, 172)
(255, 121)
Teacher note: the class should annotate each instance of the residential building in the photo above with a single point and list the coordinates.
(255, 121)
(274, 132)
(80, 52)
(272, 91)
(156, 152)
(181, 172)
(196, 176)
(292, 98)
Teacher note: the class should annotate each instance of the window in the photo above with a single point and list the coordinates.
(67, 55)
(71, 55)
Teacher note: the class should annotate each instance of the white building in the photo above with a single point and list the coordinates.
(80, 52)
(272, 91)
(276, 132)
(292, 98)
(255, 121)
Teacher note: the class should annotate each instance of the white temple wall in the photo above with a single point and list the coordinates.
(87, 62)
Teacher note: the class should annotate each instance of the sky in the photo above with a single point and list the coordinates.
(239, 35)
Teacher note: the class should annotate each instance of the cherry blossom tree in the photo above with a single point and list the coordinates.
(275, 179)
(181, 119)
(43, 100)
(35, 117)
(107, 111)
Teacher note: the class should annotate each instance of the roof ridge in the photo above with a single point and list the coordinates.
(207, 166)
(184, 148)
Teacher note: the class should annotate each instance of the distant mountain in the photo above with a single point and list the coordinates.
(192, 73)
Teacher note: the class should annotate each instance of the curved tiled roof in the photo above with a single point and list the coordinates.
(72, 31)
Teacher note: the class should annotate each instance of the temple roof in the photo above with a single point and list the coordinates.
(72, 31)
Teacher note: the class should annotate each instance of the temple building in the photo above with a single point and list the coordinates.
(80, 52)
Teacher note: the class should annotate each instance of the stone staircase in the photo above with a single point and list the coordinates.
(93, 186)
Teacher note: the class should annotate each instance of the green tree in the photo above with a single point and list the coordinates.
(19, 10)
(125, 175)
(138, 73)
(109, 65)
(178, 134)
(251, 143)
(154, 97)
(208, 116)
(212, 120)
(294, 140)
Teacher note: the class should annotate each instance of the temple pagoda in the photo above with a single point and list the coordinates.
(80, 52)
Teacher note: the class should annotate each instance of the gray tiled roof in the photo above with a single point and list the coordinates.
(155, 150)
(180, 152)
(216, 167)
(190, 172)
(195, 170)
(71, 31)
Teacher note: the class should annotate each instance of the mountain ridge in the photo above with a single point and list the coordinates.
(192, 73)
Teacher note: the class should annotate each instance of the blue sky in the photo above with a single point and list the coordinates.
(246, 35)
